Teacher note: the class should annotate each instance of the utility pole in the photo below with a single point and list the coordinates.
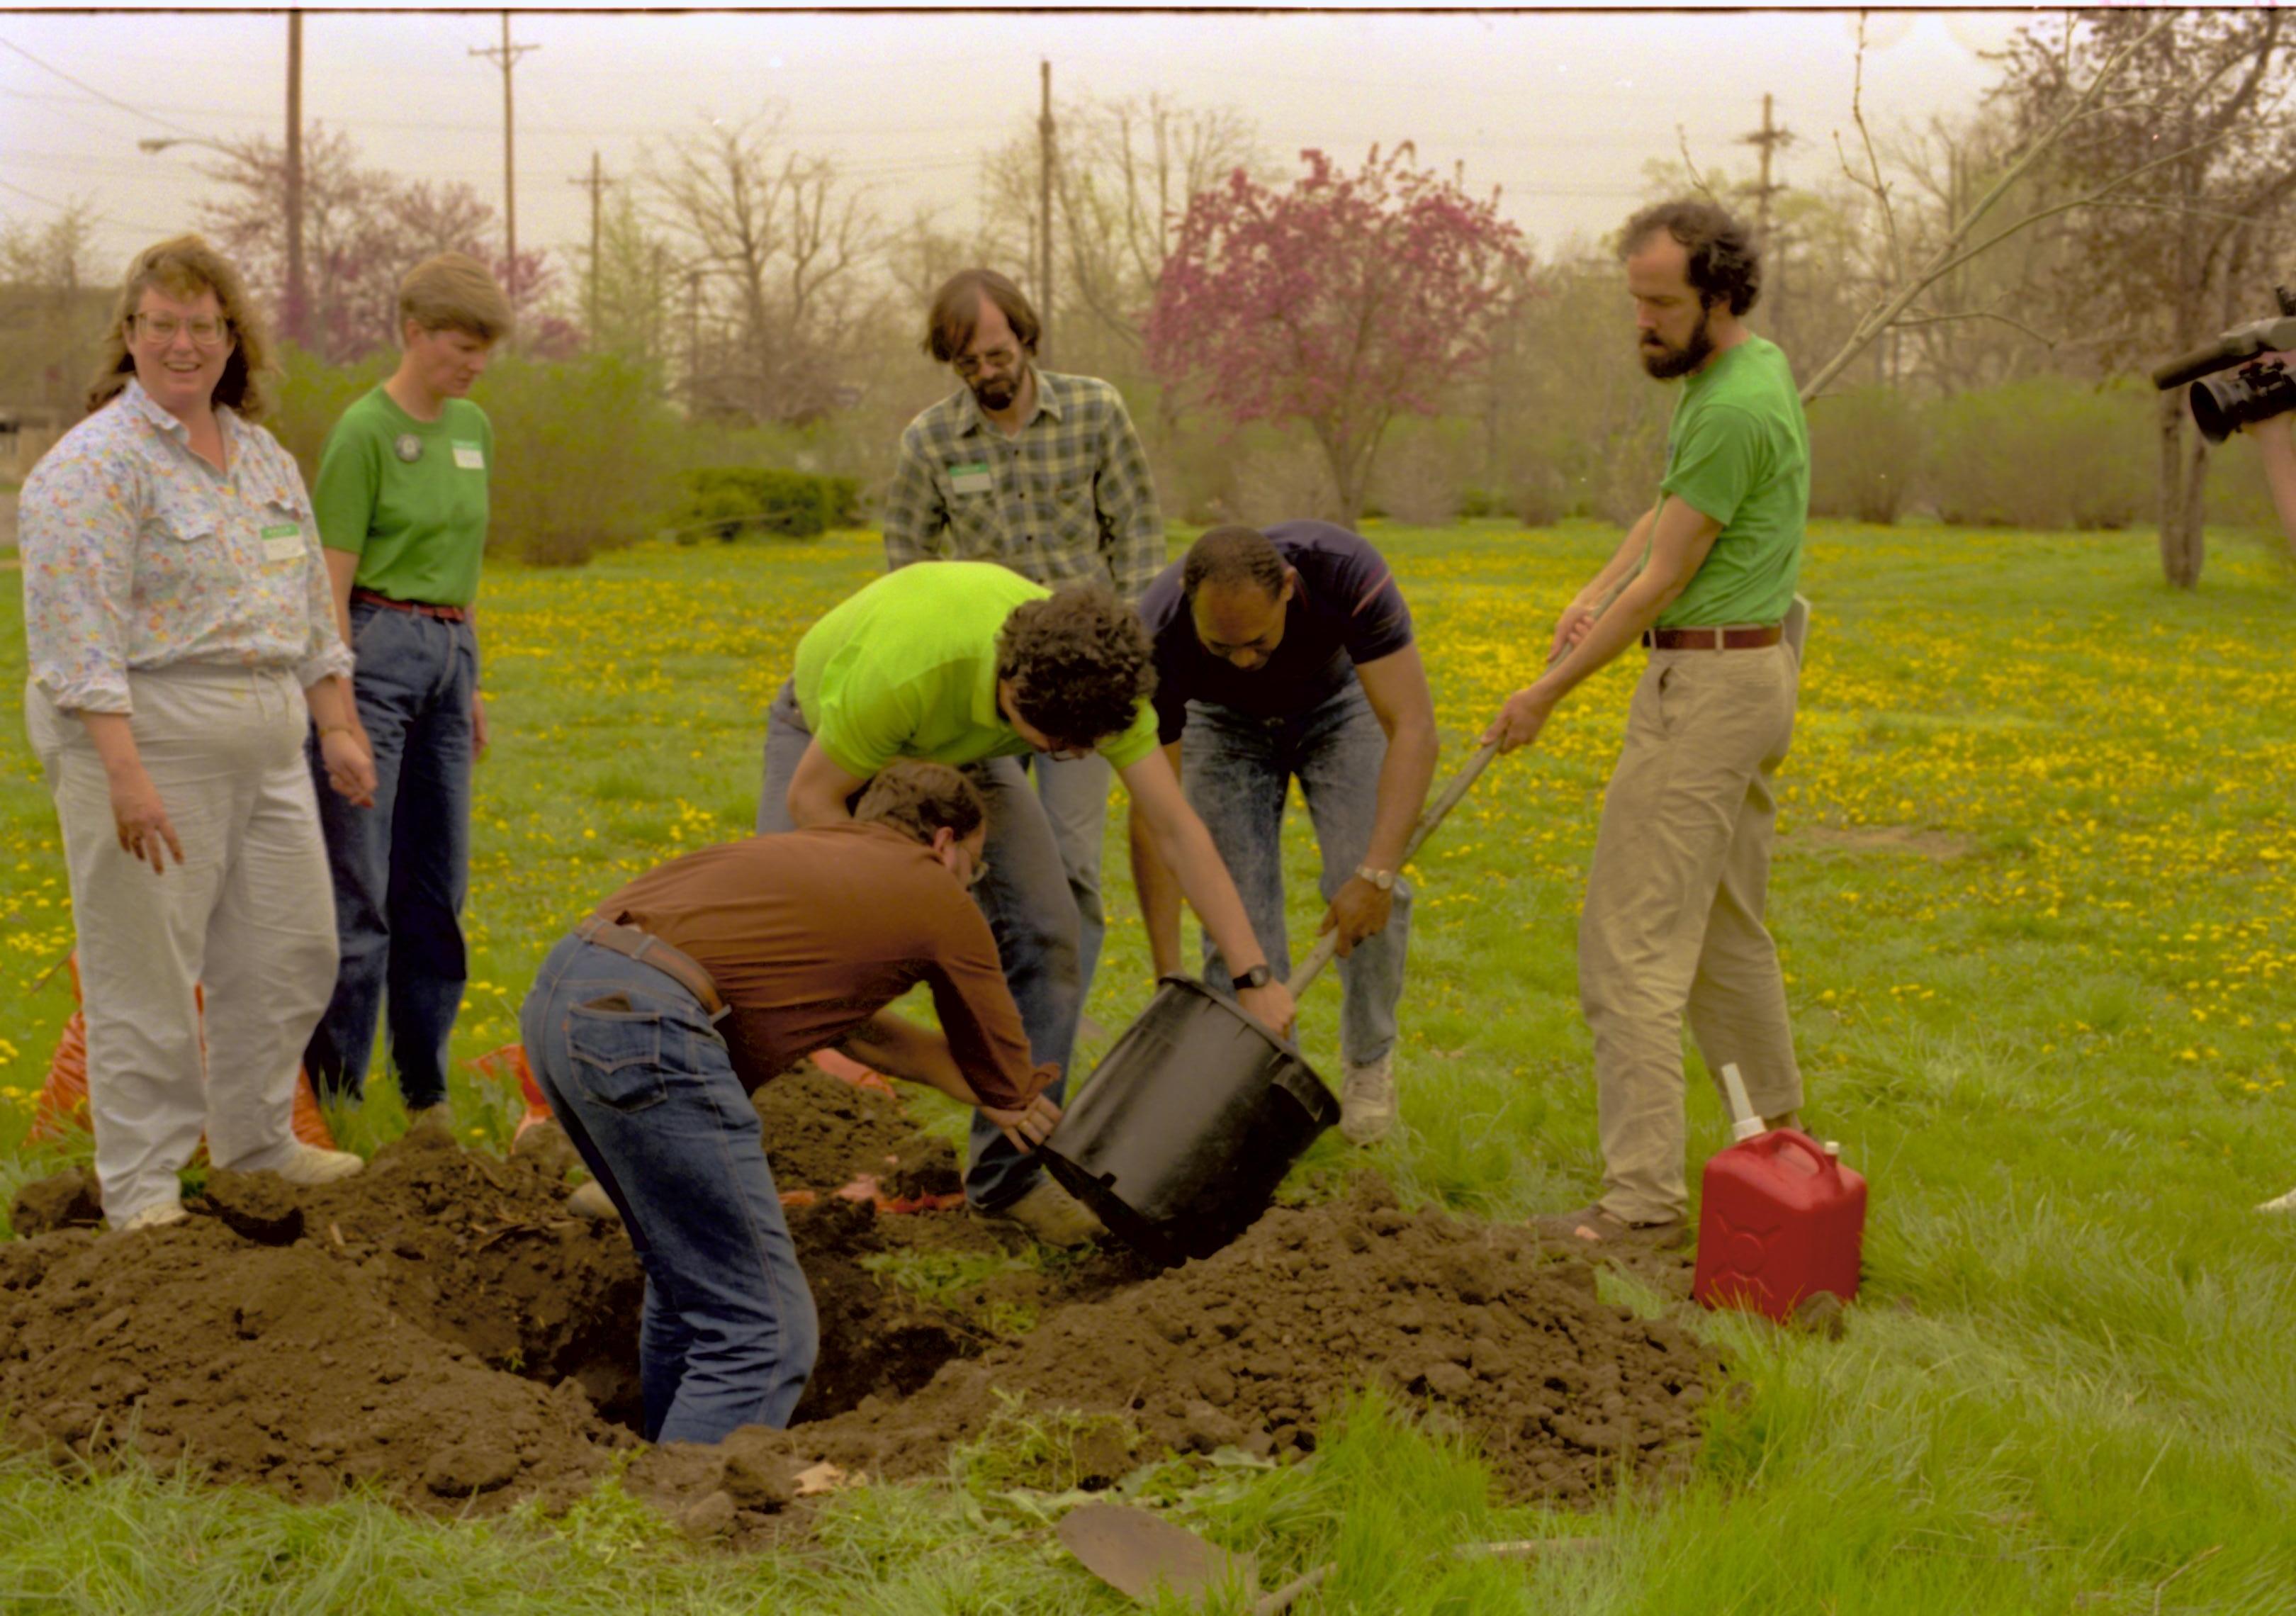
(1770, 137)
(298, 294)
(507, 54)
(596, 187)
(692, 341)
(1045, 208)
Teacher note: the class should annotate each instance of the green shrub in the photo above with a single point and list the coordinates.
(730, 501)
(1866, 447)
(310, 395)
(585, 452)
(583, 449)
(2047, 452)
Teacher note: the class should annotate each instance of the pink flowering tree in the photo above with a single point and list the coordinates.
(1342, 301)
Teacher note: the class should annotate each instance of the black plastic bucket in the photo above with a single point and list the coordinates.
(1189, 1124)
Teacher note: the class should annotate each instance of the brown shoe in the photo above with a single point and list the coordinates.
(591, 1200)
(1053, 1216)
(1592, 1227)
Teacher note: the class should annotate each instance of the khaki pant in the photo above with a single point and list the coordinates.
(249, 914)
(1673, 923)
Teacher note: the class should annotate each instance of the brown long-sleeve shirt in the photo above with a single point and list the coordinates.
(808, 933)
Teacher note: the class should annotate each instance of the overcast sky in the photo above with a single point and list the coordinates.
(1562, 110)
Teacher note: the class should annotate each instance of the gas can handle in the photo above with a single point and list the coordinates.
(1793, 1139)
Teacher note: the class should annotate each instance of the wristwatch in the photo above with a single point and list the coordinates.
(1258, 976)
(1385, 880)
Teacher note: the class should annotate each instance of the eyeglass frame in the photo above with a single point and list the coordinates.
(139, 328)
(969, 366)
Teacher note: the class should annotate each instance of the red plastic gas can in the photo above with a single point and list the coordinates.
(1782, 1218)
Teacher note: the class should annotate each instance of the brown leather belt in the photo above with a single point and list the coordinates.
(648, 950)
(445, 614)
(1713, 639)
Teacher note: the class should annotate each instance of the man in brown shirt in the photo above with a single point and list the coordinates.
(648, 1025)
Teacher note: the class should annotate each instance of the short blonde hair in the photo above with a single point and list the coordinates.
(184, 266)
(454, 291)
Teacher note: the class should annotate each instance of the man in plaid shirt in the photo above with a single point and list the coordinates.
(1044, 473)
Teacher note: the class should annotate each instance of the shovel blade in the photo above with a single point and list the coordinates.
(1135, 1552)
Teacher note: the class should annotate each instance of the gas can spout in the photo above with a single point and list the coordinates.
(1743, 1123)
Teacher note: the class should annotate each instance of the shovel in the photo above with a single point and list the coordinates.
(1435, 812)
(1137, 1553)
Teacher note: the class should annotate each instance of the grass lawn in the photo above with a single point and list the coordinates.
(2037, 893)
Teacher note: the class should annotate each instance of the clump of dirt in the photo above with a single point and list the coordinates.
(1479, 1323)
(68, 1199)
(820, 1133)
(437, 1327)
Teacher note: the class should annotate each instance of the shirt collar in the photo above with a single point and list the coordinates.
(969, 418)
(145, 408)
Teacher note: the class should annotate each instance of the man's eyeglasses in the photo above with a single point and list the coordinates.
(969, 366)
(160, 330)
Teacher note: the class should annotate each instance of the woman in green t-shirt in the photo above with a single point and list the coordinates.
(401, 499)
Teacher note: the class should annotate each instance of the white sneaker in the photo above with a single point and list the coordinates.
(151, 1217)
(311, 1165)
(1367, 1101)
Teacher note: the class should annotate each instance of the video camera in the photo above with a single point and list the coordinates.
(2259, 390)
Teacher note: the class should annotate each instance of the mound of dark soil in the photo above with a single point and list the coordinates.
(1476, 1322)
(440, 1328)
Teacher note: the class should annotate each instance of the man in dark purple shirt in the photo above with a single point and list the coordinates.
(1289, 654)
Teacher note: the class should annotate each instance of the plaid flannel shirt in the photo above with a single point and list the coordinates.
(1068, 499)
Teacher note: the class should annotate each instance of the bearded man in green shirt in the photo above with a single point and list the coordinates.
(1673, 921)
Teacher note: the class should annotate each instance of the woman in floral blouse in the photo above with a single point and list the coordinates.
(181, 640)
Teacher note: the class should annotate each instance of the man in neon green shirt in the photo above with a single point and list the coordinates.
(1673, 921)
(969, 663)
(401, 501)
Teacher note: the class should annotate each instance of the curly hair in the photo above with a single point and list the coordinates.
(1080, 664)
(1232, 555)
(1726, 264)
(184, 266)
(917, 798)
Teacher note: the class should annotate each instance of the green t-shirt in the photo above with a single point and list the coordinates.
(907, 669)
(1738, 451)
(408, 497)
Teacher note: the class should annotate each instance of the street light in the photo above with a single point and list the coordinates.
(161, 143)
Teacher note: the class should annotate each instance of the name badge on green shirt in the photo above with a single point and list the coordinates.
(972, 478)
(283, 542)
(470, 456)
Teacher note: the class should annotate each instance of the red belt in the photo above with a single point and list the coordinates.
(445, 614)
(1713, 639)
(648, 950)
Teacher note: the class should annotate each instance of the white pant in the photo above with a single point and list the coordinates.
(249, 914)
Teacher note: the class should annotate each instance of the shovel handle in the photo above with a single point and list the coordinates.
(1328, 945)
(1437, 811)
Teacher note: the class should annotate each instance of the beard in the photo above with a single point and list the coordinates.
(1665, 362)
(998, 392)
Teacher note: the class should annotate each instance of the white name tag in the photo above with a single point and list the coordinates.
(283, 543)
(975, 478)
(469, 457)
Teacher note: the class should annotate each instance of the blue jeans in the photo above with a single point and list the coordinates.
(1236, 770)
(1031, 913)
(642, 1084)
(401, 868)
(1074, 792)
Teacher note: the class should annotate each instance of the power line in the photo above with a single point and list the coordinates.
(91, 89)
